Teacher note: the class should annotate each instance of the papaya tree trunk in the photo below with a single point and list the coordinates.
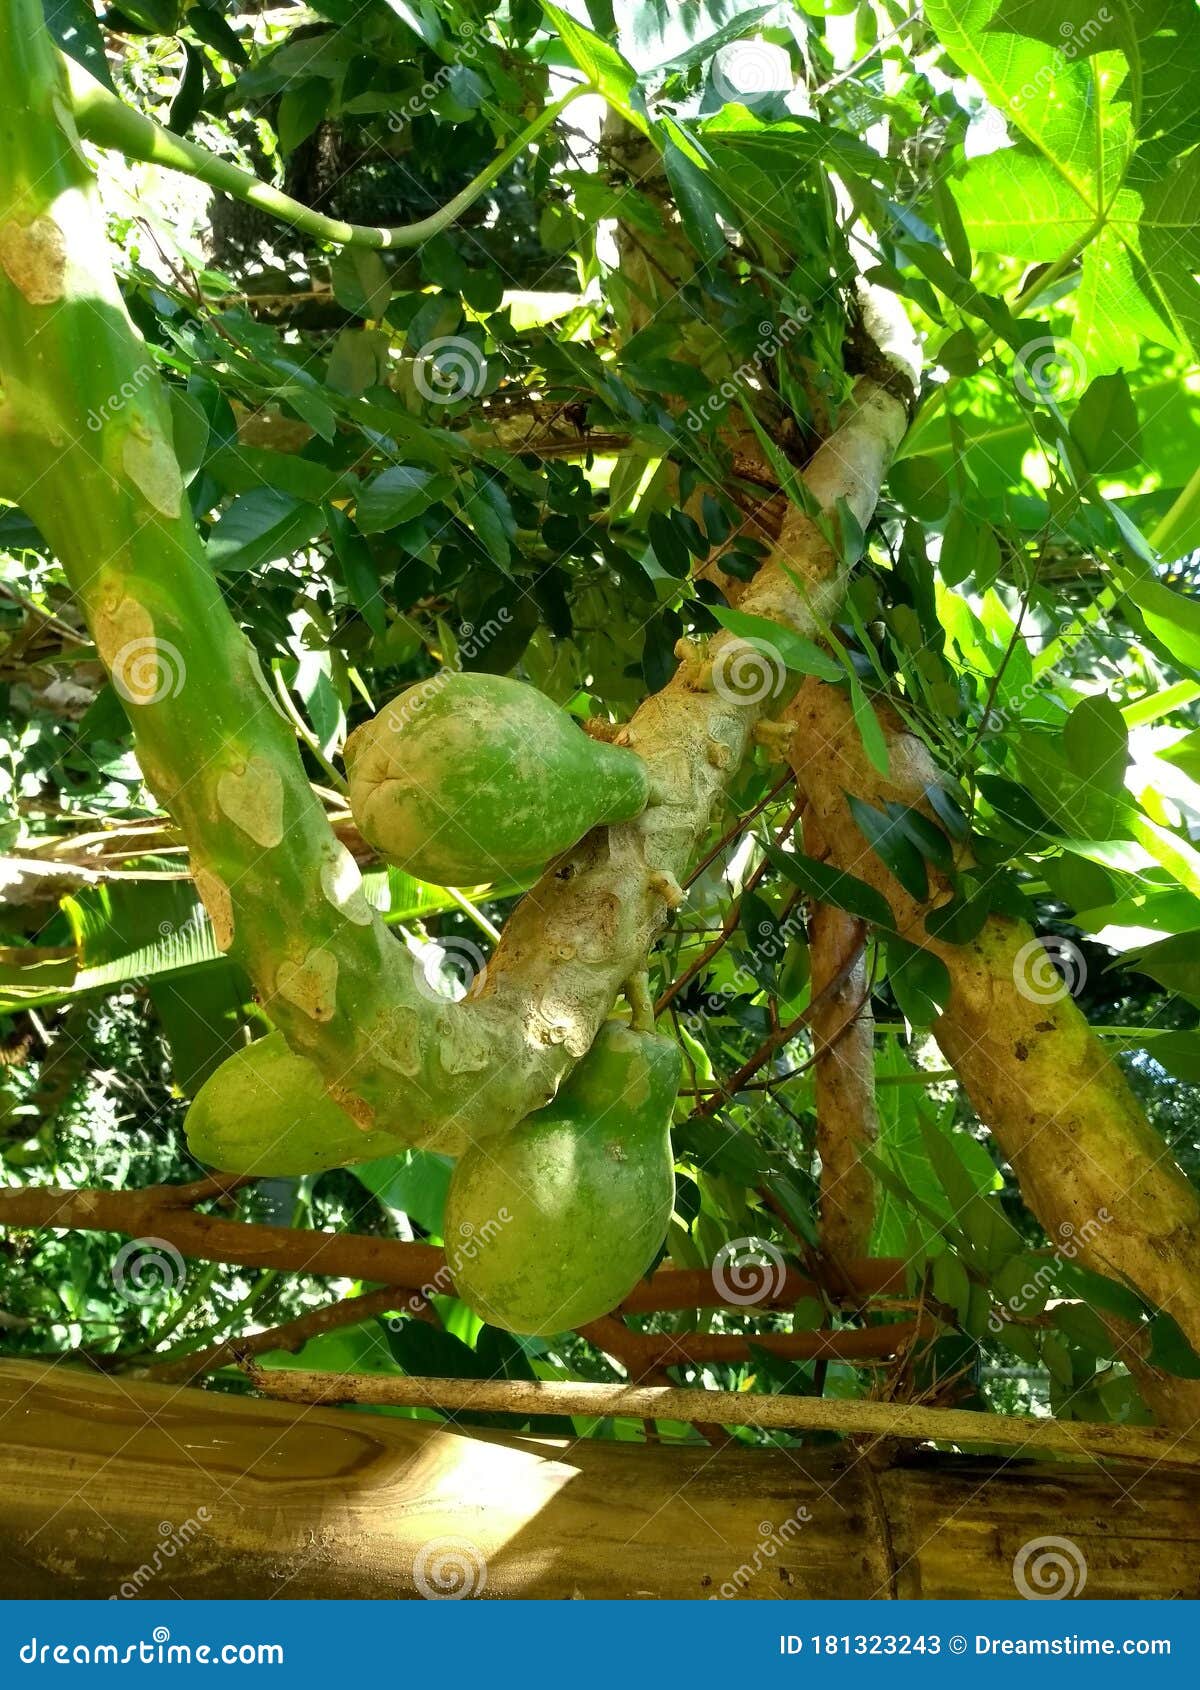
(88, 453)
(1090, 1165)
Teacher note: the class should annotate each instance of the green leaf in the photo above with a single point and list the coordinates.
(1105, 426)
(799, 655)
(829, 885)
(1170, 1350)
(1063, 189)
(360, 281)
(951, 1284)
(1179, 1054)
(74, 27)
(189, 431)
(260, 528)
(969, 548)
(1170, 617)
(1096, 742)
(414, 1183)
(609, 73)
(870, 728)
(698, 202)
(1174, 963)
(301, 108)
(892, 845)
(919, 980)
(395, 495)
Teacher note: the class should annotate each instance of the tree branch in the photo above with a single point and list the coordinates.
(843, 1032)
(164, 1212)
(1090, 1165)
(108, 122)
(906, 1421)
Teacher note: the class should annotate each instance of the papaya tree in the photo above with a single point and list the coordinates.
(603, 662)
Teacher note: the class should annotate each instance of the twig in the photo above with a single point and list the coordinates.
(737, 1408)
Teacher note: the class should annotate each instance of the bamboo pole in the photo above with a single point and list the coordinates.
(121, 1488)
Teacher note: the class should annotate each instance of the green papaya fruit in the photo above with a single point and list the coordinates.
(266, 1111)
(550, 1224)
(470, 778)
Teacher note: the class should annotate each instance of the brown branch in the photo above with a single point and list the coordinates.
(844, 1071)
(737, 1408)
(738, 827)
(732, 916)
(164, 1212)
(644, 1351)
(291, 1335)
(780, 1037)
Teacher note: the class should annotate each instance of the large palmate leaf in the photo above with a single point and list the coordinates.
(1067, 186)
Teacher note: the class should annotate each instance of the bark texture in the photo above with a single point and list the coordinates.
(1091, 1167)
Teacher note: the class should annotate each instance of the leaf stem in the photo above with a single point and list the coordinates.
(107, 121)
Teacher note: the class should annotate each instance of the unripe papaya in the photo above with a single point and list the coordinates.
(470, 778)
(550, 1224)
(265, 1111)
